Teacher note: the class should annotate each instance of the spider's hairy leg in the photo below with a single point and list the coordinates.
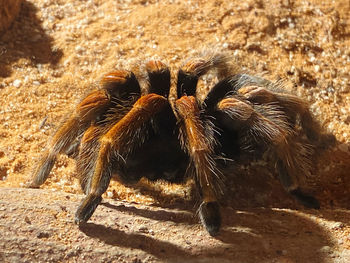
(289, 184)
(159, 78)
(268, 125)
(121, 84)
(69, 131)
(292, 106)
(123, 89)
(311, 126)
(200, 150)
(117, 143)
(293, 162)
(159, 83)
(87, 154)
(114, 85)
(153, 160)
(193, 69)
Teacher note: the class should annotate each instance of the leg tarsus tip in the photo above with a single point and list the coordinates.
(86, 208)
(307, 200)
(209, 213)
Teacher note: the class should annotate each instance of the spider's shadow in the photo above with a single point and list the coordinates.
(26, 38)
(266, 232)
(184, 216)
(119, 238)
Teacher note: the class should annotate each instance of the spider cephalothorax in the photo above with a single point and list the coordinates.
(168, 132)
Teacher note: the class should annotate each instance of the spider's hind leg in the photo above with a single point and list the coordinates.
(289, 184)
(293, 106)
(268, 125)
(292, 163)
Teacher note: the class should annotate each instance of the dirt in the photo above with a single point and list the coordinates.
(55, 51)
(8, 13)
(131, 232)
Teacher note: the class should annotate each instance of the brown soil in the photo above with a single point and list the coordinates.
(8, 12)
(57, 50)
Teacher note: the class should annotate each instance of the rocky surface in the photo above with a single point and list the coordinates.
(37, 225)
(57, 50)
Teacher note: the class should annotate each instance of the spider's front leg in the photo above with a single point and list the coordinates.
(115, 145)
(70, 130)
(198, 137)
(199, 145)
(90, 109)
(159, 83)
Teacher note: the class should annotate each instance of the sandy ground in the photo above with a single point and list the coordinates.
(56, 50)
(130, 232)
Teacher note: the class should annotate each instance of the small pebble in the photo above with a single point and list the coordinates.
(326, 249)
(338, 225)
(43, 235)
(17, 83)
(27, 220)
(64, 209)
(143, 229)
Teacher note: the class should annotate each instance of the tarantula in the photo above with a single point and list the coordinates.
(167, 132)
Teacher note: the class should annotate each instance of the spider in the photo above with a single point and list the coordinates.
(165, 131)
